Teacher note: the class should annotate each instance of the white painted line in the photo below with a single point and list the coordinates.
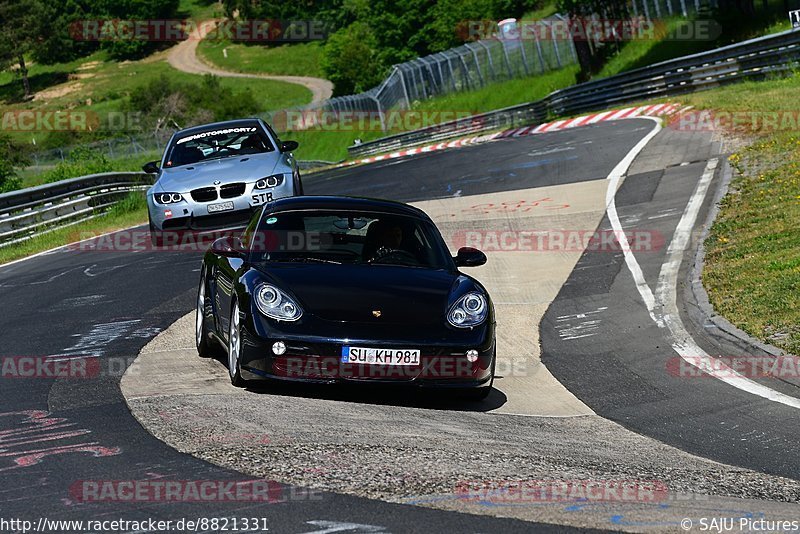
(611, 208)
(666, 293)
(662, 306)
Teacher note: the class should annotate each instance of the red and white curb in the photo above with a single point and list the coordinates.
(585, 120)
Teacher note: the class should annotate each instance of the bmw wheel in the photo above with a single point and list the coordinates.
(156, 236)
(235, 348)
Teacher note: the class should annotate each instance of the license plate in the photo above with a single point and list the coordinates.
(371, 356)
(222, 206)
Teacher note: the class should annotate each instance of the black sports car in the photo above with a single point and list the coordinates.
(336, 289)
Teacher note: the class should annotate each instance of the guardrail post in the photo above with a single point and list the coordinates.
(467, 81)
(524, 56)
(555, 46)
(452, 73)
(489, 59)
(441, 73)
(380, 113)
(539, 48)
(403, 83)
(477, 63)
(507, 59)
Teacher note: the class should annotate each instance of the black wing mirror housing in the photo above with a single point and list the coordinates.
(151, 167)
(288, 146)
(228, 247)
(469, 257)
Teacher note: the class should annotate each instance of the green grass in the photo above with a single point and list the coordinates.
(131, 211)
(199, 9)
(547, 8)
(298, 59)
(98, 84)
(752, 270)
(331, 145)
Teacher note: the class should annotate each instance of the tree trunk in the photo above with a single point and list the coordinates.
(23, 70)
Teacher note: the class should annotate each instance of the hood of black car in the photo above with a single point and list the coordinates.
(380, 294)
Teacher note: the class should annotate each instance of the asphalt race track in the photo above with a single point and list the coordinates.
(598, 338)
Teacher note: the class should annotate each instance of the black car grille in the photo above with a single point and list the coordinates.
(204, 194)
(231, 190)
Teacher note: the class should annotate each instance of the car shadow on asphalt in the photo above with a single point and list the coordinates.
(383, 395)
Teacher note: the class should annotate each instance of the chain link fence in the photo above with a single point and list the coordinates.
(467, 67)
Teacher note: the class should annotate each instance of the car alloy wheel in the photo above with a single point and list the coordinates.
(235, 347)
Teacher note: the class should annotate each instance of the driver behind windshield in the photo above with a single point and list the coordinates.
(382, 238)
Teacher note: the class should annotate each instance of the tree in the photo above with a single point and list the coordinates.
(12, 157)
(21, 27)
(350, 59)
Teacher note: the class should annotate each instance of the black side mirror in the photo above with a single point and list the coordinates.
(151, 167)
(288, 146)
(228, 247)
(469, 257)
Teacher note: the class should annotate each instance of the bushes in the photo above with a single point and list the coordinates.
(164, 103)
(80, 162)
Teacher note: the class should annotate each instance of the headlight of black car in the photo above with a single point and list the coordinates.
(270, 181)
(276, 304)
(167, 198)
(468, 311)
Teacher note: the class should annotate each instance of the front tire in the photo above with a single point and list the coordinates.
(235, 348)
(156, 236)
(479, 394)
(205, 345)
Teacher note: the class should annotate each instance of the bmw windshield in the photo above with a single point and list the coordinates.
(218, 143)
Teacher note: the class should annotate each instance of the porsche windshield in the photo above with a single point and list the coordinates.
(347, 238)
(218, 143)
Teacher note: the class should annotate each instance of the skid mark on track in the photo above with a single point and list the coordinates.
(35, 435)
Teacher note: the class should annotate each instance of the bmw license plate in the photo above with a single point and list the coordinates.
(380, 356)
(222, 206)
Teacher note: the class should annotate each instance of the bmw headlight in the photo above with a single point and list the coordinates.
(167, 198)
(276, 304)
(270, 181)
(470, 310)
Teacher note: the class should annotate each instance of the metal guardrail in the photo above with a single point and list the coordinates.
(41, 209)
(770, 55)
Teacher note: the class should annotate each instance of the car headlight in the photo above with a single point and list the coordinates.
(276, 304)
(167, 198)
(270, 181)
(470, 310)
